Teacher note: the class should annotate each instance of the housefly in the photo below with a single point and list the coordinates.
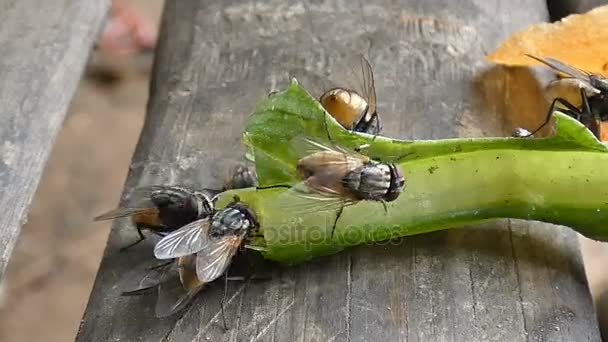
(240, 177)
(334, 177)
(163, 208)
(214, 239)
(349, 95)
(580, 94)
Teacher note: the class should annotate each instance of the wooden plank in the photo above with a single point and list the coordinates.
(501, 281)
(44, 46)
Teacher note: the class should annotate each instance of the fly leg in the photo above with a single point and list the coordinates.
(224, 300)
(161, 265)
(338, 214)
(249, 277)
(141, 238)
(593, 118)
(572, 111)
(384, 206)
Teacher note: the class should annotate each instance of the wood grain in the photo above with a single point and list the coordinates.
(501, 281)
(44, 46)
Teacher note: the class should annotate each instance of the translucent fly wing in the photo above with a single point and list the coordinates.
(151, 279)
(213, 260)
(187, 240)
(563, 68)
(355, 73)
(305, 146)
(172, 295)
(139, 201)
(301, 199)
(325, 171)
(368, 87)
(125, 212)
(316, 85)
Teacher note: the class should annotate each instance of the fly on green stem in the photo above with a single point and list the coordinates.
(348, 94)
(334, 177)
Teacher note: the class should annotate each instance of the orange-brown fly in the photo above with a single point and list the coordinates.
(580, 94)
(349, 94)
(162, 209)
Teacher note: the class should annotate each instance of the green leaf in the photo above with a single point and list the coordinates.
(293, 112)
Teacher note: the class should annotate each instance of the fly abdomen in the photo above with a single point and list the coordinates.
(347, 107)
(178, 207)
(175, 209)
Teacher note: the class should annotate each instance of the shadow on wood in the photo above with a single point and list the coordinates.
(511, 95)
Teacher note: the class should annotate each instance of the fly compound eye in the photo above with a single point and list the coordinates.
(599, 83)
(401, 182)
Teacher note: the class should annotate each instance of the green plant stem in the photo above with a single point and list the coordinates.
(567, 188)
(450, 182)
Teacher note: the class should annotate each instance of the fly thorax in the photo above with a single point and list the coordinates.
(232, 220)
(599, 106)
(176, 207)
(368, 124)
(370, 181)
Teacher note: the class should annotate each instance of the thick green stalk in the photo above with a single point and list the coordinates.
(449, 183)
(567, 188)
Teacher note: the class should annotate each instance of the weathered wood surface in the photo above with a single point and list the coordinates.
(44, 47)
(500, 281)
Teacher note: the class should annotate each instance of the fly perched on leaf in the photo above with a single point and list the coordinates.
(214, 239)
(176, 282)
(349, 95)
(162, 209)
(580, 94)
(240, 177)
(334, 177)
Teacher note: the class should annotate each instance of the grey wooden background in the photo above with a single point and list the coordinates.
(44, 46)
(500, 281)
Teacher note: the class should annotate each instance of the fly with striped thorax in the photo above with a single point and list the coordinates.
(200, 249)
(214, 240)
(333, 177)
(162, 209)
